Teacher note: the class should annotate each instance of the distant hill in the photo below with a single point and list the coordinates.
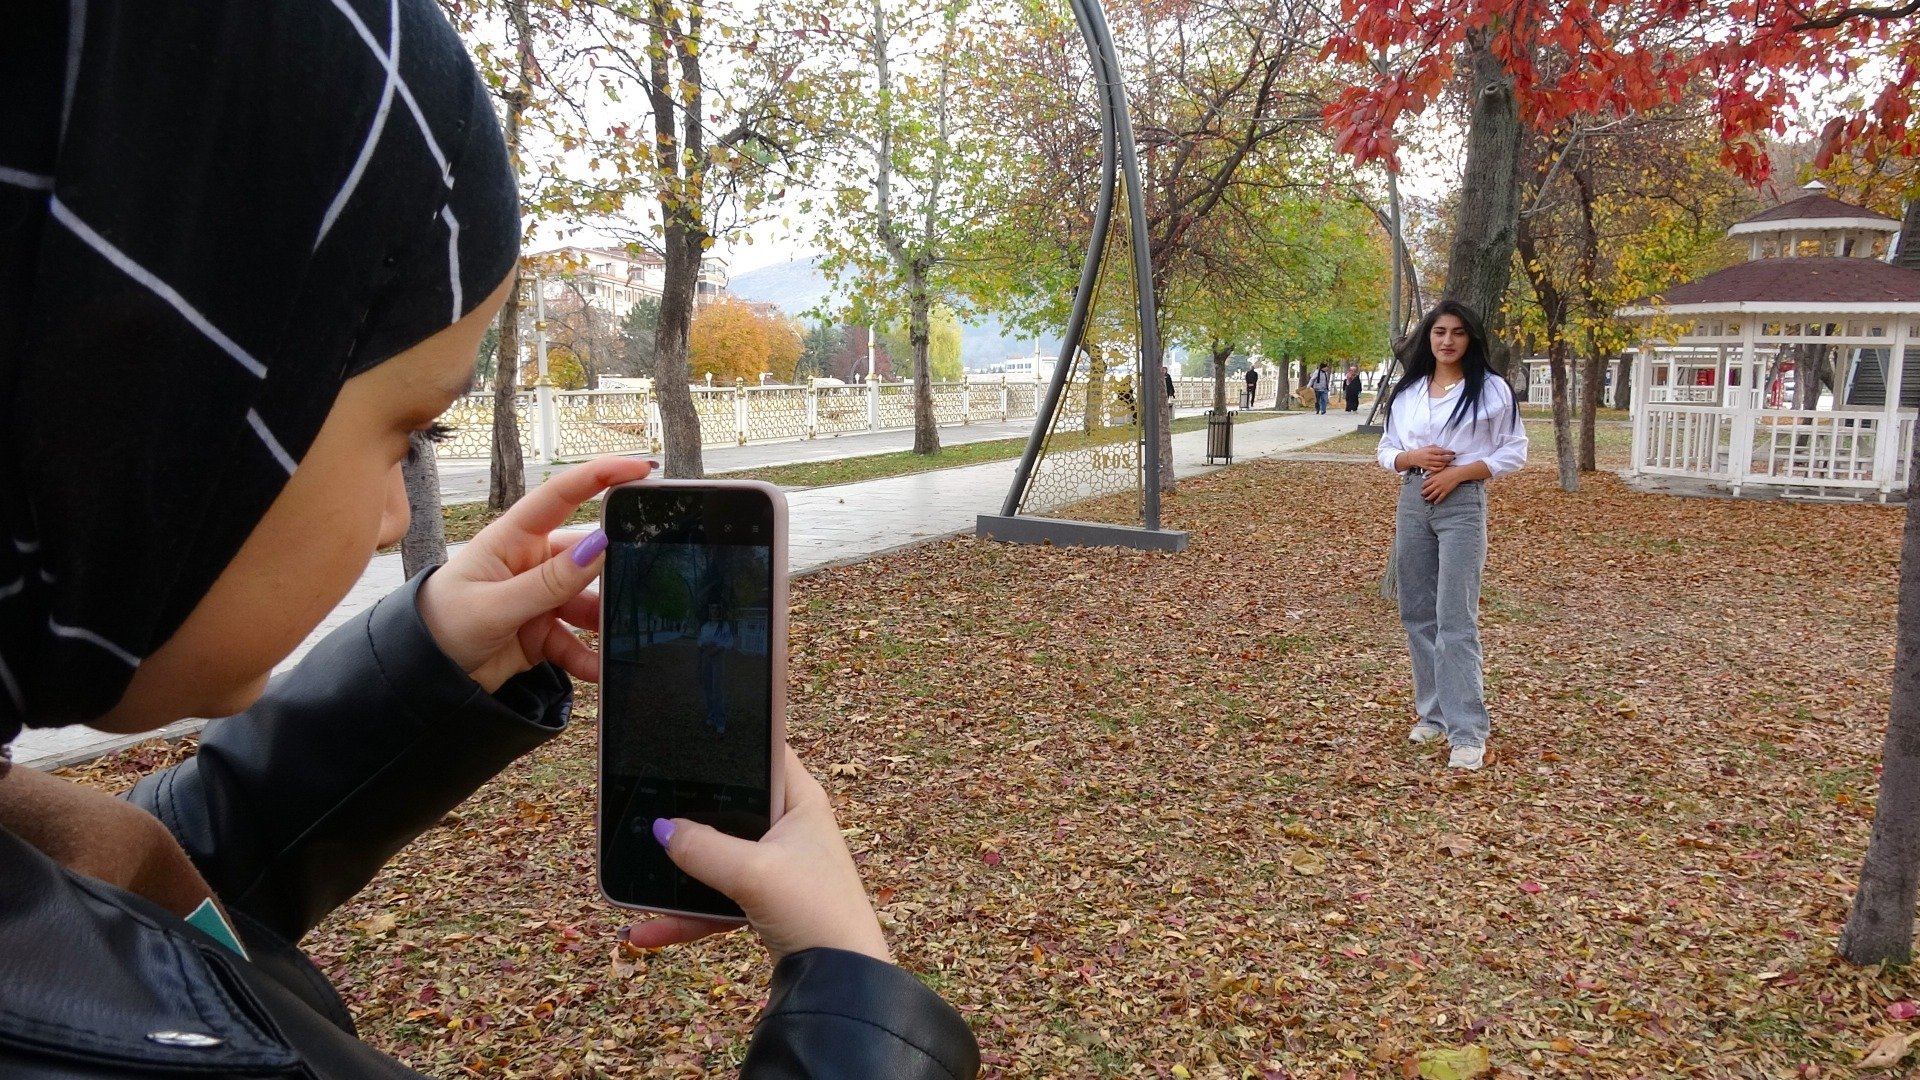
(797, 287)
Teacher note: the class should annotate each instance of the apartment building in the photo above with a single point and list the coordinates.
(614, 279)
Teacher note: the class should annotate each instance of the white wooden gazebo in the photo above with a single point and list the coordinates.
(1792, 370)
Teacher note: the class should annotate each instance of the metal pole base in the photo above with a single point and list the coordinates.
(1038, 530)
(1371, 429)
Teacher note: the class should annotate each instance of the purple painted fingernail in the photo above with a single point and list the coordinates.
(663, 831)
(589, 549)
(655, 462)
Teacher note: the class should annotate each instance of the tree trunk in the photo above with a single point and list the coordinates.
(1806, 376)
(1880, 927)
(426, 541)
(680, 438)
(1095, 397)
(1167, 481)
(678, 159)
(1220, 354)
(1563, 418)
(507, 471)
(1623, 382)
(1553, 310)
(1481, 258)
(926, 433)
(1589, 404)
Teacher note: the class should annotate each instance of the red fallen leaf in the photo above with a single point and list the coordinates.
(1529, 887)
(991, 858)
(1903, 1010)
(884, 896)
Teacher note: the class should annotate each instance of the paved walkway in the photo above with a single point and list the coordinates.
(827, 526)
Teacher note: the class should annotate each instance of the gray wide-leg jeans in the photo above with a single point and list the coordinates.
(1439, 552)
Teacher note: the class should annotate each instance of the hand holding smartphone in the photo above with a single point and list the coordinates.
(693, 683)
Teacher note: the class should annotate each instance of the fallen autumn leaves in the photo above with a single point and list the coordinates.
(1144, 815)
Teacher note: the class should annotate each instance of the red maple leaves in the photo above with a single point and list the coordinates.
(1750, 59)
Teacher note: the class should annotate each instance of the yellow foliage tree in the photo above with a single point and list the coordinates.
(565, 369)
(729, 341)
(784, 347)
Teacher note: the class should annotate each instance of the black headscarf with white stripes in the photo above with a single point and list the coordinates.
(212, 214)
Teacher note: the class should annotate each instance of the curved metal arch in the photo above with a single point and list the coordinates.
(1118, 157)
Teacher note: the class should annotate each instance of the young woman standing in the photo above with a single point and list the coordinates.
(1452, 425)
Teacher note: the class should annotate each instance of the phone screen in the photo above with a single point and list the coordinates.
(686, 684)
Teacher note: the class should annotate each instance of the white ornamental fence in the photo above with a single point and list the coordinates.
(557, 425)
(1792, 448)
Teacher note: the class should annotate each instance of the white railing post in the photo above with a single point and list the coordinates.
(548, 422)
(966, 402)
(1638, 399)
(813, 407)
(1740, 441)
(1886, 439)
(1004, 404)
(1740, 449)
(650, 402)
(873, 405)
(740, 412)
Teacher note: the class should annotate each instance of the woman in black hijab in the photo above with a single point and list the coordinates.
(246, 250)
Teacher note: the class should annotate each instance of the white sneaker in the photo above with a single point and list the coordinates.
(1467, 757)
(1425, 731)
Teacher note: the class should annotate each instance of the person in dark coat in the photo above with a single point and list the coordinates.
(277, 234)
(1351, 388)
(1253, 385)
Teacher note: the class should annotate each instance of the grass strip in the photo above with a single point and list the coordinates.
(465, 520)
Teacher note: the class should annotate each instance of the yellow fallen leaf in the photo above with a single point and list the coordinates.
(1306, 863)
(1181, 1072)
(1887, 1050)
(381, 924)
(1461, 1063)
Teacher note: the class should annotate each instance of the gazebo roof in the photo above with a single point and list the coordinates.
(1815, 210)
(1802, 286)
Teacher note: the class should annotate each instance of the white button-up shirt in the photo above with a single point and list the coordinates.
(1494, 435)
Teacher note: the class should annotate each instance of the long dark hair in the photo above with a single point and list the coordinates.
(1418, 362)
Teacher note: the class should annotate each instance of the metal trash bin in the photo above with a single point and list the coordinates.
(1220, 438)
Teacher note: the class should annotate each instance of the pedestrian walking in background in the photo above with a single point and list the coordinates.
(1352, 388)
(1253, 386)
(1321, 383)
(1452, 425)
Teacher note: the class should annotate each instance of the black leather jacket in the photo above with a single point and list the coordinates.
(289, 809)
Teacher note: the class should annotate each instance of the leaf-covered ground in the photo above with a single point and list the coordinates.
(1153, 815)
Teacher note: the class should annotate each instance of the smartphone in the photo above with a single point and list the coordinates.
(693, 684)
